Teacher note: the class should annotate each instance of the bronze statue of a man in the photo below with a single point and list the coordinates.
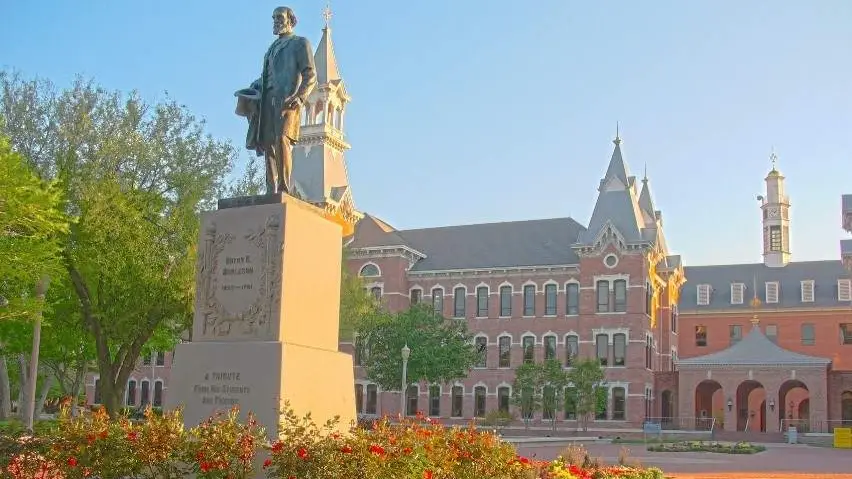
(273, 103)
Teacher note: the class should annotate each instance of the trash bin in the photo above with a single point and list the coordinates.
(792, 435)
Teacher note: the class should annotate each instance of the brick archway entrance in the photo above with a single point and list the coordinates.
(753, 375)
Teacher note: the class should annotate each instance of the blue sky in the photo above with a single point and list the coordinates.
(490, 110)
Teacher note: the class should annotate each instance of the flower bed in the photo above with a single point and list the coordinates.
(702, 446)
(95, 446)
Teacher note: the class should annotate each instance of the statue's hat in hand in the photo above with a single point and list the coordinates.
(247, 101)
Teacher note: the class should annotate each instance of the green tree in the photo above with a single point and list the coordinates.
(527, 390)
(356, 303)
(442, 350)
(586, 377)
(554, 380)
(135, 176)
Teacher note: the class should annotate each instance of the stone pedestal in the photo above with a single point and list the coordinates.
(266, 316)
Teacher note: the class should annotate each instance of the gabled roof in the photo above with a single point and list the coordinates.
(480, 246)
(324, 60)
(754, 350)
(720, 277)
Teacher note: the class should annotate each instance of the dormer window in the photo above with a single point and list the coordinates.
(772, 291)
(808, 291)
(737, 290)
(844, 290)
(703, 294)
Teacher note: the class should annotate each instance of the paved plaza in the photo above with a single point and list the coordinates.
(778, 461)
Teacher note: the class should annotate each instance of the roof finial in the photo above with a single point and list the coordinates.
(773, 158)
(326, 14)
(755, 303)
(617, 139)
(645, 174)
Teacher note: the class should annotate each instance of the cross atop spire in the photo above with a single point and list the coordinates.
(617, 139)
(773, 158)
(326, 14)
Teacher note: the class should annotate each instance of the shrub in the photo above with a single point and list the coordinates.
(701, 446)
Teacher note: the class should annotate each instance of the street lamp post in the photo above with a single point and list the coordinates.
(406, 352)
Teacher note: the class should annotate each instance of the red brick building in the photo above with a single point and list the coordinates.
(679, 345)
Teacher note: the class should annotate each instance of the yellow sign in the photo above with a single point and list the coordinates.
(843, 437)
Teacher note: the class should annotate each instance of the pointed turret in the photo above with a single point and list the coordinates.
(617, 203)
(324, 59)
(645, 201)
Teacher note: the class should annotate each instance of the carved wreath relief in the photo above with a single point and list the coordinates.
(250, 271)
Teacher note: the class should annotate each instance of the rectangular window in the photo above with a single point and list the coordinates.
(774, 238)
(482, 302)
(550, 300)
(649, 352)
(549, 347)
(649, 298)
(505, 301)
(411, 397)
(131, 393)
(161, 358)
(737, 290)
(846, 333)
(572, 348)
(844, 290)
(144, 393)
(459, 299)
(435, 400)
(479, 401)
(735, 331)
(438, 300)
(372, 399)
(416, 296)
(674, 318)
(505, 346)
(158, 394)
(620, 293)
(602, 349)
(808, 291)
(703, 294)
(772, 333)
(376, 291)
(458, 401)
(146, 360)
(701, 335)
(808, 334)
(772, 292)
(572, 299)
(482, 350)
(619, 346)
(529, 300)
(619, 403)
(529, 349)
(359, 398)
(503, 398)
(603, 296)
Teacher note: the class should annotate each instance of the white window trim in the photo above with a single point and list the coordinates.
(368, 263)
(777, 287)
(737, 289)
(808, 284)
(705, 288)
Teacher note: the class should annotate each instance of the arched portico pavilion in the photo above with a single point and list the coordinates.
(753, 385)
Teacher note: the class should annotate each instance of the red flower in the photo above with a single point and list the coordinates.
(267, 463)
(346, 449)
(72, 461)
(132, 436)
(377, 450)
(277, 446)
(204, 466)
(406, 451)
(91, 438)
(427, 474)
(103, 434)
(302, 453)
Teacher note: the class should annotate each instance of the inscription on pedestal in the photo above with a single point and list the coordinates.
(239, 277)
(220, 388)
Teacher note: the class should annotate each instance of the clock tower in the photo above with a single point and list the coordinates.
(776, 219)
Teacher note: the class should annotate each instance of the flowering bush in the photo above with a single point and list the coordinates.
(158, 447)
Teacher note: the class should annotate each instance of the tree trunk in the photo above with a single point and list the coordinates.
(30, 406)
(42, 398)
(22, 386)
(75, 389)
(5, 391)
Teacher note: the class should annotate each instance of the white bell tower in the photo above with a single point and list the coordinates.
(776, 219)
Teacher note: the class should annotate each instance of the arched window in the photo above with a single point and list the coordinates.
(145, 393)
(411, 397)
(369, 270)
(158, 393)
(131, 392)
(479, 401)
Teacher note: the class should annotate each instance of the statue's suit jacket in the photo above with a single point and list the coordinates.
(288, 73)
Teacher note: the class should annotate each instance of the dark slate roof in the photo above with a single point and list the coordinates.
(490, 245)
(824, 274)
(754, 350)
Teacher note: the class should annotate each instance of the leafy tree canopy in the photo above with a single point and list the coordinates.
(442, 350)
